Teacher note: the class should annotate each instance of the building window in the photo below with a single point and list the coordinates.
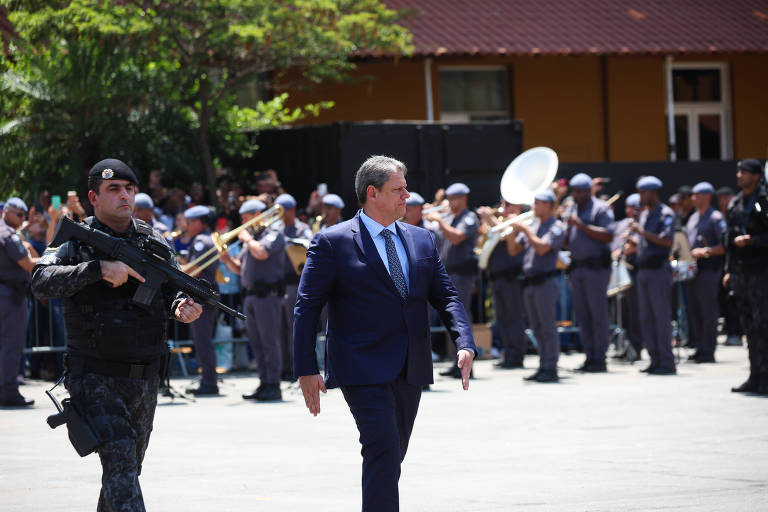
(474, 94)
(702, 111)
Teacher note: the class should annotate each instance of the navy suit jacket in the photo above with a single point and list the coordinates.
(372, 332)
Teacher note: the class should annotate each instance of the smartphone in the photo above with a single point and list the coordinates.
(322, 189)
(56, 202)
(71, 193)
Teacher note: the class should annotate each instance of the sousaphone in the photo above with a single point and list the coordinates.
(528, 174)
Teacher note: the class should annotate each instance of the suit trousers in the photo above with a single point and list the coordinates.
(263, 320)
(384, 414)
(541, 304)
(202, 335)
(508, 307)
(654, 294)
(751, 292)
(703, 310)
(590, 303)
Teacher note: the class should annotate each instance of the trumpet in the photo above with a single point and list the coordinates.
(173, 235)
(220, 242)
(441, 209)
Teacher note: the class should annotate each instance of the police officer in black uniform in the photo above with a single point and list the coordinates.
(746, 244)
(116, 351)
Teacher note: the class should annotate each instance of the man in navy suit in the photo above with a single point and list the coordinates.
(376, 275)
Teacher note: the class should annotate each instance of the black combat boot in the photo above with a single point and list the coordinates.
(204, 389)
(269, 393)
(546, 376)
(255, 394)
(748, 386)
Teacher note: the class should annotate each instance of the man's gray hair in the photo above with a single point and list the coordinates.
(376, 171)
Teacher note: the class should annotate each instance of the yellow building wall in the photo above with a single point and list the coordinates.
(749, 79)
(559, 100)
(636, 109)
(378, 91)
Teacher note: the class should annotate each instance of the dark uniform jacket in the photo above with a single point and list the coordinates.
(102, 322)
(748, 215)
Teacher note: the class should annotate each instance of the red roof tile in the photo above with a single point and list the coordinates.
(526, 27)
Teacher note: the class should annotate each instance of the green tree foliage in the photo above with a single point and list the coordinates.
(154, 81)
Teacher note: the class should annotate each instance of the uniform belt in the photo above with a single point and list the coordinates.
(77, 365)
(596, 262)
(652, 263)
(262, 289)
(509, 274)
(539, 278)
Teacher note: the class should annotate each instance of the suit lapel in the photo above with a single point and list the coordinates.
(370, 254)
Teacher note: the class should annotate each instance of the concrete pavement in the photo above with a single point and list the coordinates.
(621, 441)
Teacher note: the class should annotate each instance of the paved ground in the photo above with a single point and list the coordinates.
(617, 442)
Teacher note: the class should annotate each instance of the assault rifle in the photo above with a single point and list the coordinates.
(148, 258)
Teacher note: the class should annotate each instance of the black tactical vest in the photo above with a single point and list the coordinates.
(103, 323)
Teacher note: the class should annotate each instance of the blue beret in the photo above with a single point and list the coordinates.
(287, 201)
(704, 187)
(333, 200)
(197, 212)
(414, 200)
(581, 181)
(143, 200)
(457, 189)
(251, 206)
(113, 169)
(16, 203)
(750, 165)
(545, 195)
(633, 200)
(649, 183)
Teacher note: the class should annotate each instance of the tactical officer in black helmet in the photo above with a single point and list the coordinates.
(746, 273)
(115, 350)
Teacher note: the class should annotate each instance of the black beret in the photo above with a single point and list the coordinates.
(113, 169)
(750, 165)
(685, 190)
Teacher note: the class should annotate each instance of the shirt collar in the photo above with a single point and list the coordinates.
(373, 227)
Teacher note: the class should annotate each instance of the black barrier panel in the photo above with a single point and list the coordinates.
(436, 154)
(624, 175)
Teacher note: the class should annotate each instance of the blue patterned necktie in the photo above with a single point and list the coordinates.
(395, 270)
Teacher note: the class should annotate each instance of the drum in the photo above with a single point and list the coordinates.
(683, 270)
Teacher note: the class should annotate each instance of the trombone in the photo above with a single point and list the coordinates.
(220, 242)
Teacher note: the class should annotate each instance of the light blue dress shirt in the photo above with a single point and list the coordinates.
(375, 229)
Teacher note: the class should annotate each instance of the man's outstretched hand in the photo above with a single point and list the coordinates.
(465, 364)
(311, 385)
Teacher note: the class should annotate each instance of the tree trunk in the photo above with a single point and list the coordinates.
(205, 149)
